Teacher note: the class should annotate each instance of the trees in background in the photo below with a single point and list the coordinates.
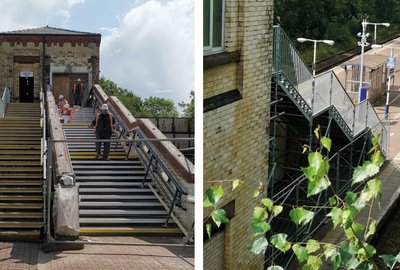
(148, 107)
(338, 20)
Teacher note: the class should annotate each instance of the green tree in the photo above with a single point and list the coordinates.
(188, 108)
(159, 107)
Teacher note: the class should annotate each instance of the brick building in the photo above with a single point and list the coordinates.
(41, 56)
(237, 70)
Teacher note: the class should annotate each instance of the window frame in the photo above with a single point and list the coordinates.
(210, 49)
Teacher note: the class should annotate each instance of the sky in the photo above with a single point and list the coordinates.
(147, 46)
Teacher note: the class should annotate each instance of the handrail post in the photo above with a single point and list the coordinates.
(170, 208)
(147, 170)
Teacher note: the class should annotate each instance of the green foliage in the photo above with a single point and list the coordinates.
(188, 108)
(219, 217)
(148, 107)
(301, 216)
(338, 20)
(279, 241)
(259, 246)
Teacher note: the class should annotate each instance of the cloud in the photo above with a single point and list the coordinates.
(34, 13)
(151, 51)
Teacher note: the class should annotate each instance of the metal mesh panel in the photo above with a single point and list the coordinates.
(322, 92)
(360, 117)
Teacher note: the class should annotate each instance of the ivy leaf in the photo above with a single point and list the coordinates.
(332, 201)
(375, 187)
(214, 194)
(348, 255)
(259, 246)
(275, 267)
(207, 203)
(360, 173)
(337, 261)
(315, 187)
(330, 250)
(256, 193)
(268, 203)
(318, 166)
(279, 241)
(326, 142)
(377, 159)
(312, 246)
(372, 169)
(336, 215)
(350, 198)
(277, 209)
(259, 213)
(371, 251)
(316, 132)
(388, 260)
(313, 263)
(208, 229)
(219, 216)
(235, 184)
(371, 229)
(260, 227)
(301, 216)
(301, 252)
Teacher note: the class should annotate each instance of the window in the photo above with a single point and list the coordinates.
(213, 25)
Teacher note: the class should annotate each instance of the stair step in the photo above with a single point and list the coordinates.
(127, 178)
(20, 235)
(118, 197)
(20, 190)
(8, 162)
(20, 147)
(25, 176)
(18, 169)
(20, 183)
(20, 224)
(113, 190)
(122, 220)
(117, 212)
(21, 205)
(103, 162)
(21, 215)
(20, 198)
(118, 204)
(128, 230)
(107, 184)
(131, 168)
(110, 172)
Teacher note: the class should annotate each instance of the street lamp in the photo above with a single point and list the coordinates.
(326, 41)
(364, 43)
(375, 25)
(391, 63)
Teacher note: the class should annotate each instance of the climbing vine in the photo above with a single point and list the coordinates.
(352, 253)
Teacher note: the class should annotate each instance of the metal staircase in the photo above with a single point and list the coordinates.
(21, 172)
(113, 200)
(323, 93)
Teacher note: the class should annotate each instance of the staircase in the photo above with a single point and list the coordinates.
(112, 200)
(21, 172)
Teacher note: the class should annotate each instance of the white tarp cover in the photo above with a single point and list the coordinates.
(66, 210)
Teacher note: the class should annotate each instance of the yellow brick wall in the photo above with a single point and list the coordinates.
(236, 135)
(66, 55)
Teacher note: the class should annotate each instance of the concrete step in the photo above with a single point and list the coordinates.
(21, 205)
(116, 212)
(113, 220)
(21, 183)
(20, 224)
(21, 215)
(20, 190)
(10, 198)
(127, 230)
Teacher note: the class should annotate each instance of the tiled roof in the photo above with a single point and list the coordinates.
(47, 31)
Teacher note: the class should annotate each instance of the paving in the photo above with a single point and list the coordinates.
(130, 253)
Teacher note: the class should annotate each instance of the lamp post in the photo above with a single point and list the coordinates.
(391, 63)
(362, 43)
(375, 25)
(326, 41)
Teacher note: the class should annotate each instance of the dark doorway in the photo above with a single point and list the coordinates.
(25, 89)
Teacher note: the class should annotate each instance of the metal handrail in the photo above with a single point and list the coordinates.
(148, 156)
(43, 153)
(5, 100)
(287, 61)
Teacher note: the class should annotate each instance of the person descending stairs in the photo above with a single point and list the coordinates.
(21, 173)
(112, 200)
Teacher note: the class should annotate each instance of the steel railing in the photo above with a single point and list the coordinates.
(326, 91)
(43, 154)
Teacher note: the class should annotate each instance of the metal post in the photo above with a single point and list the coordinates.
(375, 25)
(388, 88)
(363, 41)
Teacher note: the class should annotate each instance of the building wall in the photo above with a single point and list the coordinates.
(236, 134)
(64, 55)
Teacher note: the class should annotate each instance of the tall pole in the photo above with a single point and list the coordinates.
(363, 41)
(388, 88)
(315, 57)
(375, 25)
